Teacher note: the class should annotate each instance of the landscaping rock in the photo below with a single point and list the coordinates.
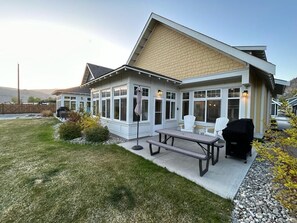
(255, 200)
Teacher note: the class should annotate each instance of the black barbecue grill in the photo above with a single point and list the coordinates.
(239, 135)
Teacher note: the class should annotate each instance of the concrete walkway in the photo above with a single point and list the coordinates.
(223, 179)
(19, 116)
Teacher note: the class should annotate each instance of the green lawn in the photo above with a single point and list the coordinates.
(42, 180)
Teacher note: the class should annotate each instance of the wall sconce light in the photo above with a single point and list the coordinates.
(160, 92)
(245, 93)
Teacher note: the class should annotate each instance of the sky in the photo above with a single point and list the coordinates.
(52, 40)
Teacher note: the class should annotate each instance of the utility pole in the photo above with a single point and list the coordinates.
(19, 96)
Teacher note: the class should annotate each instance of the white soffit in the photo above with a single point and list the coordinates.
(213, 77)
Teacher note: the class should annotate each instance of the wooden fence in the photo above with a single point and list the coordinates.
(25, 108)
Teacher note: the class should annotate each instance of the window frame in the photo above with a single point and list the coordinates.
(105, 98)
(172, 100)
(205, 96)
(234, 97)
(143, 98)
(96, 103)
(182, 104)
(118, 94)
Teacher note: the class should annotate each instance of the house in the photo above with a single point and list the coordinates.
(293, 104)
(76, 98)
(182, 72)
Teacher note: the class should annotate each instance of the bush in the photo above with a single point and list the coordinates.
(279, 149)
(47, 113)
(97, 134)
(74, 117)
(87, 121)
(69, 130)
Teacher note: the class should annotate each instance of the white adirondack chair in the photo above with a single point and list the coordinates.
(220, 124)
(189, 123)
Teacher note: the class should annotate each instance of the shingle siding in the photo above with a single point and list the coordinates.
(173, 54)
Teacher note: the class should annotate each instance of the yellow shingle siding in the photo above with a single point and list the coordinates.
(173, 54)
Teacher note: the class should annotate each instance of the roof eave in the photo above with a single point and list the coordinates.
(127, 67)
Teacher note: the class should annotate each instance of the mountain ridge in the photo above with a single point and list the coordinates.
(7, 93)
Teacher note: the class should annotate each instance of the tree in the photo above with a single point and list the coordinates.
(33, 100)
(14, 100)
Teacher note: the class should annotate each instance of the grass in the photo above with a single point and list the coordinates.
(43, 180)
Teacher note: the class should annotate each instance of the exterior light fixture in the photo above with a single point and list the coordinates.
(160, 92)
(245, 93)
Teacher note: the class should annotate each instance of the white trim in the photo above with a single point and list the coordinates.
(262, 109)
(269, 104)
(237, 73)
(227, 49)
(90, 72)
(125, 68)
(282, 82)
(251, 48)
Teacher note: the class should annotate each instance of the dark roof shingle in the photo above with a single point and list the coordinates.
(73, 90)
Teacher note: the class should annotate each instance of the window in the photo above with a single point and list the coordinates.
(67, 104)
(96, 103)
(207, 105)
(105, 97)
(185, 103)
(120, 103)
(170, 105)
(199, 110)
(70, 102)
(213, 110)
(233, 103)
(88, 105)
(144, 104)
(81, 106)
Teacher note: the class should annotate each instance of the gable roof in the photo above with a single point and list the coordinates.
(261, 64)
(93, 71)
(74, 90)
(138, 70)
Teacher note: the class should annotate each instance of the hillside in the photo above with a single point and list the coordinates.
(290, 90)
(7, 93)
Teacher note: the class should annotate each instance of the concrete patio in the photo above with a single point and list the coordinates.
(223, 179)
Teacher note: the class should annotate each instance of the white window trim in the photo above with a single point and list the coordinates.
(205, 99)
(103, 100)
(143, 98)
(182, 100)
(119, 97)
(171, 100)
(231, 98)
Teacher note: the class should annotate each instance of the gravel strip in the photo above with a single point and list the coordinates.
(254, 201)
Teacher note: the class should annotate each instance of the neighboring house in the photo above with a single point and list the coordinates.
(275, 105)
(76, 98)
(182, 72)
(293, 104)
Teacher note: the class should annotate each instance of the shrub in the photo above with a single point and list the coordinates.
(87, 121)
(278, 149)
(97, 134)
(74, 117)
(69, 130)
(47, 113)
